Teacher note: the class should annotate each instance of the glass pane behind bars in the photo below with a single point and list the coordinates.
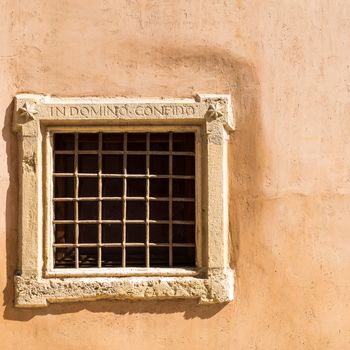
(124, 200)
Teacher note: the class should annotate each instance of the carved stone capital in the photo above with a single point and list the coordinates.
(219, 108)
(27, 111)
(215, 110)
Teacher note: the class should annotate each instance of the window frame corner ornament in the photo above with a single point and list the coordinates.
(28, 111)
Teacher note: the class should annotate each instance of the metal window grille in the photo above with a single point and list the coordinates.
(124, 200)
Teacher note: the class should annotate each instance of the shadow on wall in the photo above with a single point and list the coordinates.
(188, 70)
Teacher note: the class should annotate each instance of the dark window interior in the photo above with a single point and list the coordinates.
(124, 200)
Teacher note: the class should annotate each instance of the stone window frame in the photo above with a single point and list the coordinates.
(36, 116)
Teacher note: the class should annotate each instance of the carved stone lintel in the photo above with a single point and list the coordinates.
(29, 107)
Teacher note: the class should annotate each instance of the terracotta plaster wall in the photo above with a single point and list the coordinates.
(286, 65)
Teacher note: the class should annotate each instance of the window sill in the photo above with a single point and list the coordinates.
(123, 272)
(32, 291)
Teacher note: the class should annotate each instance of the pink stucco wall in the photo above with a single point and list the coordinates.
(286, 64)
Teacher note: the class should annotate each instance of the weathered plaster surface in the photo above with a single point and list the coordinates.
(286, 65)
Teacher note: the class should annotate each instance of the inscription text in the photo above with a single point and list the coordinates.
(125, 110)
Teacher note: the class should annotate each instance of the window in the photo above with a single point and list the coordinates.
(123, 199)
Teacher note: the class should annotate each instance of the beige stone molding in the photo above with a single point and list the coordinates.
(36, 117)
